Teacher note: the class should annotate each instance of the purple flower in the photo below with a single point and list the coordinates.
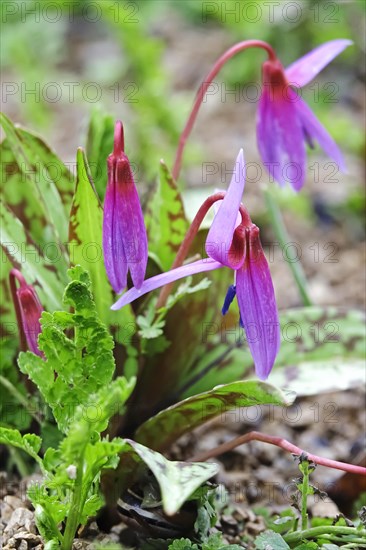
(285, 122)
(124, 233)
(237, 247)
(28, 310)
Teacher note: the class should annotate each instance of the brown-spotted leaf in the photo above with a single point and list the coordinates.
(167, 426)
(166, 221)
(44, 179)
(48, 277)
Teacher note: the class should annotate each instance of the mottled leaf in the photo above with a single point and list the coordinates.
(322, 350)
(272, 540)
(177, 480)
(163, 429)
(313, 340)
(166, 221)
(43, 174)
(26, 256)
(85, 236)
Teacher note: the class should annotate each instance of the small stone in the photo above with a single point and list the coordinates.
(9, 504)
(31, 538)
(21, 519)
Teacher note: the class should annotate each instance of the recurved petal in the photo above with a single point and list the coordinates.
(307, 67)
(165, 278)
(313, 128)
(257, 305)
(280, 137)
(113, 251)
(221, 232)
(131, 222)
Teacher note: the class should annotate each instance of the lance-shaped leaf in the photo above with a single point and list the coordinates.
(166, 221)
(85, 236)
(26, 256)
(40, 169)
(314, 339)
(17, 192)
(162, 430)
(328, 340)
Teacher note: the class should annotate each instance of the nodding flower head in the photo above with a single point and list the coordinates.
(124, 233)
(28, 310)
(286, 123)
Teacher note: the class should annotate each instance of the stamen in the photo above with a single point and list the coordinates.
(230, 295)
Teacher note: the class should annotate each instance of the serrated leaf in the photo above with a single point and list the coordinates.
(74, 367)
(30, 443)
(272, 540)
(177, 480)
(166, 221)
(167, 426)
(85, 232)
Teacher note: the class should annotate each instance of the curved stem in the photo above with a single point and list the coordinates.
(190, 235)
(283, 444)
(204, 87)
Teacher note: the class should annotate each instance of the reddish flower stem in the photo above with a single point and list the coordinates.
(190, 235)
(204, 87)
(283, 444)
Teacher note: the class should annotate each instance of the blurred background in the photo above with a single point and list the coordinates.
(64, 62)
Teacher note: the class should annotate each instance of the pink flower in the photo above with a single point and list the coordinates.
(124, 233)
(28, 311)
(237, 247)
(285, 122)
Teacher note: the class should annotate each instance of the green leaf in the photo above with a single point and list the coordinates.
(75, 365)
(30, 443)
(71, 487)
(313, 340)
(270, 539)
(23, 253)
(183, 544)
(327, 340)
(99, 146)
(85, 236)
(45, 176)
(167, 426)
(166, 221)
(177, 480)
(14, 403)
